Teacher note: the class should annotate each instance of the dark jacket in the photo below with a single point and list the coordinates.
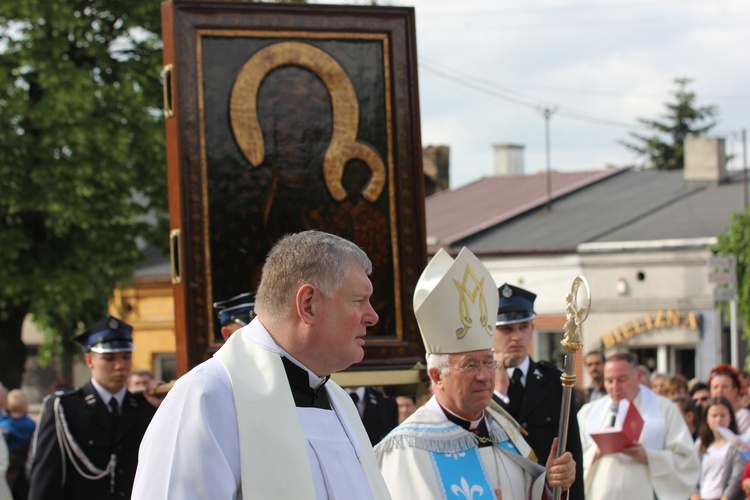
(540, 417)
(380, 416)
(91, 427)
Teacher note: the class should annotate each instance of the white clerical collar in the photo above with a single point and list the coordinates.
(106, 395)
(524, 367)
(473, 424)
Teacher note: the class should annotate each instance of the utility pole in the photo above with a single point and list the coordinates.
(547, 114)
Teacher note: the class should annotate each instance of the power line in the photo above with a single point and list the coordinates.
(483, 88)
(586, 92)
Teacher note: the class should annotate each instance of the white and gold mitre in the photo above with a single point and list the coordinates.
(455, 303)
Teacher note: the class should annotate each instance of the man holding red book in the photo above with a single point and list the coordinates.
(662, 464)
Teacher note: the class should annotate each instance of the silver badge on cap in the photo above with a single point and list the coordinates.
(113, 324)
(507, 292)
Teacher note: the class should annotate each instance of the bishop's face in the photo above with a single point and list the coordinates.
(467, 387)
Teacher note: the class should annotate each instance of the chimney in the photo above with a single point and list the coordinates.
(435, 163)
(508, 159)
(705, 159)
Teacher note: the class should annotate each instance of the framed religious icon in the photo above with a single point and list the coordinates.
(283, 118)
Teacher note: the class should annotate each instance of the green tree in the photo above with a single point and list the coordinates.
(664, 149)
(736, 240)
(82, 161)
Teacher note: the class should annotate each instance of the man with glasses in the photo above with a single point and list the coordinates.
(531, 390)
(235, 313)
(456, 446)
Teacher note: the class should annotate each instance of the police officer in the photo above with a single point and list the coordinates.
(235, 313)
(87, 441)
(531, 391)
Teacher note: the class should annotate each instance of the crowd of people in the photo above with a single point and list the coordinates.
(263, 419)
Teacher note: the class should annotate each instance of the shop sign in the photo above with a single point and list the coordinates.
(663, 318)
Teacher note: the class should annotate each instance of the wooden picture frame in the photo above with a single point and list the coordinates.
(282, 118)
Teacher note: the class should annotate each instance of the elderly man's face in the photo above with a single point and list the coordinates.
(345, 317)
(467, 387)
(620, 380)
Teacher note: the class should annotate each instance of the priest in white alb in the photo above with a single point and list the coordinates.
(663, 464)
(455, 446)
(261, 419)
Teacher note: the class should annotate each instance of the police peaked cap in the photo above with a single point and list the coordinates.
(515, 306)
(240, 308)
(108, 335)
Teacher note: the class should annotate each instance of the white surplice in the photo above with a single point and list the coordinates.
(195, 449)
(673, 469)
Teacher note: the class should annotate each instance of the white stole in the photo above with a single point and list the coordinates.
(263, 400)
(653, 434)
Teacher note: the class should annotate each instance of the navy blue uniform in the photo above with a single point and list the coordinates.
(91, 426)
(540, 417)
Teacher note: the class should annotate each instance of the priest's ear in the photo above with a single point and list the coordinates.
(306, 303)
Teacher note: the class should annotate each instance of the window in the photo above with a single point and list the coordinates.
(165, 366)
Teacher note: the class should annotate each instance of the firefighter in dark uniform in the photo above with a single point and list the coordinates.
(234, 313)
(531, 391)
(86, 445)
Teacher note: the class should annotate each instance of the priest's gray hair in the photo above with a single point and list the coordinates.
(439, 361)
(311, 257)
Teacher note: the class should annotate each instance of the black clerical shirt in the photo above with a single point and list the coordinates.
(480, 430)
(304, 395)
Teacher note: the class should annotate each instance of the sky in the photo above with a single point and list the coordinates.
(488, 69)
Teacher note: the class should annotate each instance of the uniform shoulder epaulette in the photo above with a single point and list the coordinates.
(62, 393)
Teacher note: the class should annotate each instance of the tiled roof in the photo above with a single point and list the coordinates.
(460, 213)
(508, 215)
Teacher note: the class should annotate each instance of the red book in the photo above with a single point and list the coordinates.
(614, 439)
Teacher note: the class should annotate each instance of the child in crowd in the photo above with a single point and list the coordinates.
(691, 412)
(721, 463)
(18, 430)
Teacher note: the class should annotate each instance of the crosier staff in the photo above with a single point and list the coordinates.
(571, 343)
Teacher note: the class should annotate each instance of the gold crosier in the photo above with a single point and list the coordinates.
(464, 310)
(243, 113)
(572, 342)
